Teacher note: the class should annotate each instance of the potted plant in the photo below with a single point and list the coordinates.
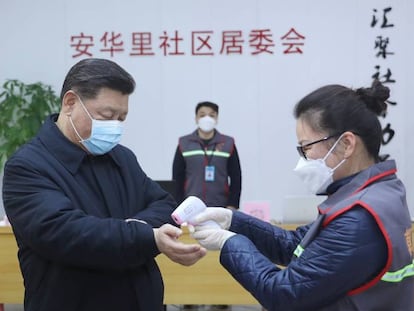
(23, 108)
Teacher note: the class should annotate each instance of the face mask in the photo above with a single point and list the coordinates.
(316, 175)
(105, 134)
(207, 123)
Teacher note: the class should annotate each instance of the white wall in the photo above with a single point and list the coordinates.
(256, 94)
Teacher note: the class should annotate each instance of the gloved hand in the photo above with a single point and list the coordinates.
(220, 215)
(211, 238)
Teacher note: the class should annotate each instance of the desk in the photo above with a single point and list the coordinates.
(206, 282)
(11, 282)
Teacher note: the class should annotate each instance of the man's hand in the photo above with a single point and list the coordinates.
(166, 238)
(220, 215)
(211, 238)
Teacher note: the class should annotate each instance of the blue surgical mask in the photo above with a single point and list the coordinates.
(105, 134)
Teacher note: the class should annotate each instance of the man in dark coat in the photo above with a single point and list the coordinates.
(87, 219)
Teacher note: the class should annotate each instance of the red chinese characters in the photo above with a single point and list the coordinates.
(293, 42)
(194, 43)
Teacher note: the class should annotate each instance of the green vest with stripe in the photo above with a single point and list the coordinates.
(378, 190)
(197, 157)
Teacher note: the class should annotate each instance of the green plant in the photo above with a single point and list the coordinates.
(23, 108)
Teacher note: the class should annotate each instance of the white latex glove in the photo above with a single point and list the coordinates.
(220, 215)
(210, 238)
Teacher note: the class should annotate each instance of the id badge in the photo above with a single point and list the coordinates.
(209, 173)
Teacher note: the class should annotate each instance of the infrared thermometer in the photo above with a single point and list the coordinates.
(188, 210)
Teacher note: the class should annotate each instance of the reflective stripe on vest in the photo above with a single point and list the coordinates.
(398, 276)
(298, 251)
(208, 152)
(394, 277)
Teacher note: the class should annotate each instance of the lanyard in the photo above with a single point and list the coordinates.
(204, 147)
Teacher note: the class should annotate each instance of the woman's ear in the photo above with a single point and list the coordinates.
(349, 142)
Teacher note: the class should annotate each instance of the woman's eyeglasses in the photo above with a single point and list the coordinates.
(301, 149)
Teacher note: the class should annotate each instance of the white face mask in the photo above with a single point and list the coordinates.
(316, 175)
(207, 123)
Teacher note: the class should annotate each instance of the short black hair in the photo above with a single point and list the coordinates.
(89, 76)
(211, 105)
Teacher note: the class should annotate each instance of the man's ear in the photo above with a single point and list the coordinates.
(69, 99)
